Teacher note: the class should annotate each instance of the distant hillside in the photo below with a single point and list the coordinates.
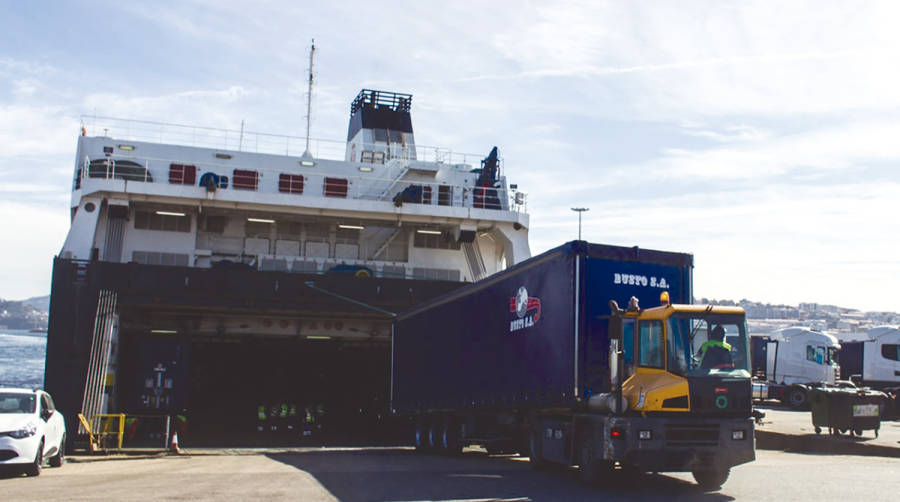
(27, 314)
(41, 303)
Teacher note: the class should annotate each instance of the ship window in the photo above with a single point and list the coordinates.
(650, 344)
(257, 229)
(380, 135)
(346, 235)
(366, 156)
(290, 183)
(155, 258)
(146, 220)
(118, 169)
(245, 179)
(216, 224)
(435, 241)
(891, 351)
(335, 187)
(182, 174)
(445, 195)
(290, 230)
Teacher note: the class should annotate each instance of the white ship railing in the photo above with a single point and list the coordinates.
(249, 141)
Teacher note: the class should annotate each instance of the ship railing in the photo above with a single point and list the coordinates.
(255, 142)
(387, 186)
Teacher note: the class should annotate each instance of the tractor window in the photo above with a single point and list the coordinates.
(650, 344)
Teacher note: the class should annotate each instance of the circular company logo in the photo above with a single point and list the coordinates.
(721, 402)
(521, 302)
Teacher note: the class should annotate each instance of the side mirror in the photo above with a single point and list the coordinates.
(46, 414)
(615, 321)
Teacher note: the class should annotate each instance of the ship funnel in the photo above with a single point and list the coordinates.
(380, 127)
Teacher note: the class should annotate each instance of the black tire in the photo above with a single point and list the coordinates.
(534, 451)
(420, 436)
(432, 439)
(858, 432)
(796, 398)
(711, 479)
(60, 458)
(818, 430)
(34, 469)
(449, 440)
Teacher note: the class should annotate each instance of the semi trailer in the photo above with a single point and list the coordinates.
(539, 359)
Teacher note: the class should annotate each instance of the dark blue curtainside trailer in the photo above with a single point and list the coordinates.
(531, 336)
(539, 359)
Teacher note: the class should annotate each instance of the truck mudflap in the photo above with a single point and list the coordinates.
(672, 444)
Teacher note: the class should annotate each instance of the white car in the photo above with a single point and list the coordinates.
(31, 430)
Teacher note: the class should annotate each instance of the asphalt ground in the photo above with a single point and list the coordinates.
(790, 430)
(399, 474)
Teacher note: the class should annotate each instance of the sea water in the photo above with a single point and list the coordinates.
(22, 358)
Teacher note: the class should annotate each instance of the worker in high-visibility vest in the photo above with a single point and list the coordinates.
(715, 352)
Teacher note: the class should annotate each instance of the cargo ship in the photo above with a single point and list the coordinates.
(245, 282)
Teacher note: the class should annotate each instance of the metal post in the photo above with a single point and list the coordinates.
(580, 210)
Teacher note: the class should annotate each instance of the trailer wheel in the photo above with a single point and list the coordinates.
(433, 436)
(797, 398)
(421, 434)
(450, 438)
(534, 448)
(711, 478)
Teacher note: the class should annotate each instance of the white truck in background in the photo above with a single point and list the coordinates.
(787, 362)
(874, 362)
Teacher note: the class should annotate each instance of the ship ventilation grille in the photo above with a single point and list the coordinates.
(473, 257)
(105, 330)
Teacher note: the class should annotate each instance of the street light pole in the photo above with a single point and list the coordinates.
(580, 210)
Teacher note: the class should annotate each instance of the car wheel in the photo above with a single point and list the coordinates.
(35, 468)
(59, 459)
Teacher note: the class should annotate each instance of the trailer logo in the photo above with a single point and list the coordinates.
(523, 305)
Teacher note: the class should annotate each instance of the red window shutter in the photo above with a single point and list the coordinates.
(245, 179)
(182, 174)
(290, 183)
(335, 187)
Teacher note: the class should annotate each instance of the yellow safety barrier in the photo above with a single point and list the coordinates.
(87, 427)
(101, 427)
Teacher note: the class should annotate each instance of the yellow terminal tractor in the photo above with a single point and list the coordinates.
(682, 379)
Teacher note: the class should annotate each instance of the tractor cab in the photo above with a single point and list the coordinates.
(683, 358)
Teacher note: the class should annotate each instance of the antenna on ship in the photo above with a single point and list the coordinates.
(312, 51)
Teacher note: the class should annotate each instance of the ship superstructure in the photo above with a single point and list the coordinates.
(193, 247)
(388, 206)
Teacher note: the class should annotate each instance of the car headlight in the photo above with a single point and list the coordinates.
(29, 430)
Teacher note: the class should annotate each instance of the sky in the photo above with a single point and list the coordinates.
(762, 137)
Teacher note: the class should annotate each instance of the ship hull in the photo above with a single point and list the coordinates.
(226, 356)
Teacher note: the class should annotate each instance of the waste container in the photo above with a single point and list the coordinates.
(844, 410)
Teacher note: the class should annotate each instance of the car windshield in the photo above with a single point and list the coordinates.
(701, 344)
(17, 402)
